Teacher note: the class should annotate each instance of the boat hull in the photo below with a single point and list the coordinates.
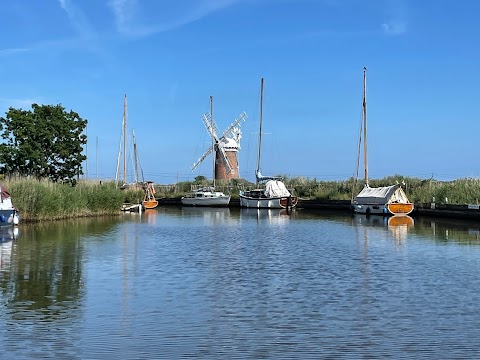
(400, 208)
(150, 204)
(206, 201)
(268, 203)
(8, 217)
(384, 209)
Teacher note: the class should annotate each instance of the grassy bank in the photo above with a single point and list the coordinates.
(45, 200)
(460, 191)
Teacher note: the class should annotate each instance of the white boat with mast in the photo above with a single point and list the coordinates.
(149, 201)
(387, 200)
(275, 194)
(207, 196)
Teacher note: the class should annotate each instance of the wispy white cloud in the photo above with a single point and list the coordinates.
(63, 44)
(129, 22)
(78, 20)
(396, 13)
(85, 35)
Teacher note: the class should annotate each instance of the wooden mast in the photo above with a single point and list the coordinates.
(365, 153)
(214, 154)
(260, 133)
(135, 156)
(125, 139)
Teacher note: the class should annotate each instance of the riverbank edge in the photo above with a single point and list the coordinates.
(468, 211)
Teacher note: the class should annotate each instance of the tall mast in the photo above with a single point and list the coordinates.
(125, 139)
(96, 158)
(214, 155)
(260, 133)
(136, 156)
(365, 153)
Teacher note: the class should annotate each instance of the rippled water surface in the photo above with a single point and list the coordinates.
(180, 283)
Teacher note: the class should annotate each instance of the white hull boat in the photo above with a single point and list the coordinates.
(275, 195)
(206, 197)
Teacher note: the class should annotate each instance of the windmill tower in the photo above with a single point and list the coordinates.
(225, 147)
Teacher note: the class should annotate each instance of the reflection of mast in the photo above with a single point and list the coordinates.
(125, 272)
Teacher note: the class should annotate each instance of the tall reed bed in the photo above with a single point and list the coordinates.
(38, 200)
(460, 191)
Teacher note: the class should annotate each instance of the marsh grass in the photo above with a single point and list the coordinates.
(38, 200)
(460, 191)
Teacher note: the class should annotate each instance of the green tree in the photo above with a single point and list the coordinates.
(200, 179)
(46, 142)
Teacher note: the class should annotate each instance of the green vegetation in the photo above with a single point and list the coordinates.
(47, 200)
(39, 200)
(43, 143)
(460, 191)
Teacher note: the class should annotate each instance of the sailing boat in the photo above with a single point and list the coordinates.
(149, 201)
(207, 196)
(275, 195)
(388, 200)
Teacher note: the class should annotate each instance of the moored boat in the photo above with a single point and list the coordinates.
(275, 194)
(387, 200)
(149, 202)
(8, 213)
(206, 196)
(382, 201)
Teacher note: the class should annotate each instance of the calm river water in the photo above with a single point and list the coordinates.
(178, 283)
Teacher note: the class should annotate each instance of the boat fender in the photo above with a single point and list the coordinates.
(16, 220)
(2, 218)
(368, 211)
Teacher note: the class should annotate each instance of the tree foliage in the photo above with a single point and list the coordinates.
(45, 142)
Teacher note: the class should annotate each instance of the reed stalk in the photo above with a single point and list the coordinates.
(39, 200)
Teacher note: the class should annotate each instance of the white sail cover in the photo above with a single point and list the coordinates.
(276, 188)
(381, 195)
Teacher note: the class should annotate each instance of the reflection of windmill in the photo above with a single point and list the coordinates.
(226, 147)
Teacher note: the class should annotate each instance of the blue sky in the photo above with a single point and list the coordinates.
(170, 56)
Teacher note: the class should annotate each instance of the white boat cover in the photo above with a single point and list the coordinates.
(276, 188)
(381, 195)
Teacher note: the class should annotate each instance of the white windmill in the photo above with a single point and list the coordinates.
(225, 146)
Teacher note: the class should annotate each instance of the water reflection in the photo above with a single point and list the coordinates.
(7, 237)
(398, 226)
(209, 215)
(273, 216)
(466, 232)
(198, 285)
(42, 284)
